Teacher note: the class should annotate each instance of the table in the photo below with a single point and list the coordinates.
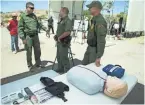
(75, 96)
(25, 82)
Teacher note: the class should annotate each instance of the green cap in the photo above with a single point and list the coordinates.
(97, 4)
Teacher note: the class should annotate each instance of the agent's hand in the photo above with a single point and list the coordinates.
(98, 62)
(55, 38)
(59, 39)
(24, 41)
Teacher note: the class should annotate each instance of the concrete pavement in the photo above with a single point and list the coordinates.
(129, 54)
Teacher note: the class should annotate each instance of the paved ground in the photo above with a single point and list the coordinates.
(129, 53)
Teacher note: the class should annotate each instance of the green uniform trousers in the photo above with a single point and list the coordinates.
(90, 55)
(35, 43)
(62, 57)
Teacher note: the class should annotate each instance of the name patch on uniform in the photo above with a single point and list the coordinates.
(34, 17)
(100, 26)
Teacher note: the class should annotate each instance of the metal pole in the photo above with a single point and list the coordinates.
(62, 3)
(82, 19)
(79, 23)
(49, 7)
(73, 7)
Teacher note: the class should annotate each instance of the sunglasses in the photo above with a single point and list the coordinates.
(31, 7)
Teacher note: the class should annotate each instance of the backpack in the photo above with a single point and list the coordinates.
(114, 70)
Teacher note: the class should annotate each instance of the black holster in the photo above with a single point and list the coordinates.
(65, 40)
(55, 88)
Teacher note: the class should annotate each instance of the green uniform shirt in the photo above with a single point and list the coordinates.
(28, 25)
(64, 26)
(97, 33)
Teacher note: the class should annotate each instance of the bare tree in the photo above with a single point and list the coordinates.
(108, 6)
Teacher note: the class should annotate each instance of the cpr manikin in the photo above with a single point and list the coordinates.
(92, 81)
(115, 87)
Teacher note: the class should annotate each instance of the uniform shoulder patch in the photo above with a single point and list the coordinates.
(22, 15)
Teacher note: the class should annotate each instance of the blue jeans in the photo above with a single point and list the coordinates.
(14, 43)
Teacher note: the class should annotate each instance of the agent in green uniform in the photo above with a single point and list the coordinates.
(28, 31)
(50, 24)
(96, 35)
(63, 34)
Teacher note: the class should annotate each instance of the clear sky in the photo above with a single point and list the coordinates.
(118, 5)
(9, 6)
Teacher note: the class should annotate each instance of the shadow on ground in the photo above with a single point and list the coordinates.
(21, 50)
(136, 96)
(132, 34)
(27, 74)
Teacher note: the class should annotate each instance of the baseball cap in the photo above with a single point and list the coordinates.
(97, 4)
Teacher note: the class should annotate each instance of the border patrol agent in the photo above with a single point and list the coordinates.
(28, 31)
(63, 33)
(50, 24)
(96, 35)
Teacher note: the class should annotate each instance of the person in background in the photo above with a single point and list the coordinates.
(2, 23)
(73, 20)
(116, 27)
(50, 26)
(12, 27)
(111, 27)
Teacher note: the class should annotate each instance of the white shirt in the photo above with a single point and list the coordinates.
(116, 26)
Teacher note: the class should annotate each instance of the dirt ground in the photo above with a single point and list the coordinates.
(129, 53)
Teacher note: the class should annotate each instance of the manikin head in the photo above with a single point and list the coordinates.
(115, 87)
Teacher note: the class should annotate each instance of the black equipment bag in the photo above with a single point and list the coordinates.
(55, 88)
